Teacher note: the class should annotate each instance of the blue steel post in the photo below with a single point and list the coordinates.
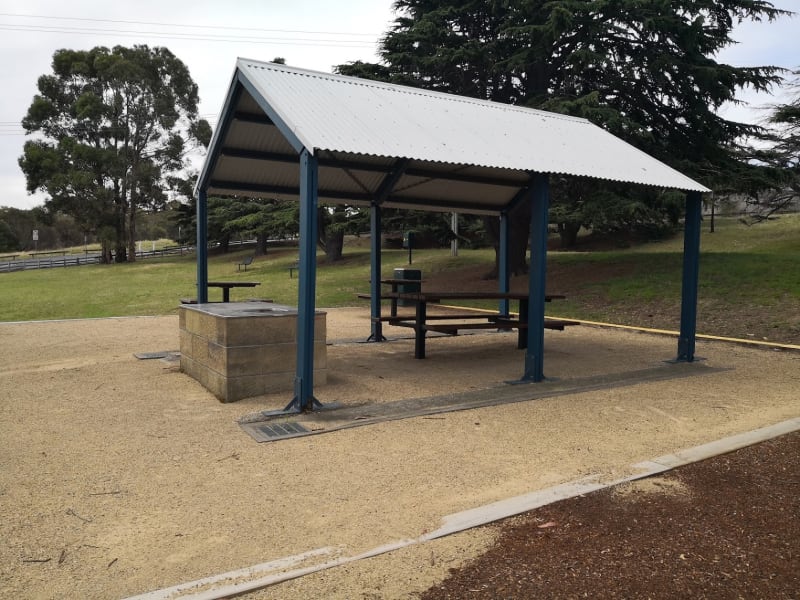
(304, 379)
(375, 273)
(375, 225)
(502, 264)
(534, 354)
(202, 247)
(691, 271)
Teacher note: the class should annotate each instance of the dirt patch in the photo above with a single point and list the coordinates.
(661, 486)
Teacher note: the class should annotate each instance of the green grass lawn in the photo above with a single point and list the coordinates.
(154, 286)
(749, 279)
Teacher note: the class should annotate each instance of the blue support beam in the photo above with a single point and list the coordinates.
(534, 354)
(691, 272)
(376, 332)
(503, 279)
(306, 296)
(503, 276)
(202, 246)
(375, 227)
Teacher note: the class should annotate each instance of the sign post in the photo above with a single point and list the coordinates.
(408, 242)
(35, 240)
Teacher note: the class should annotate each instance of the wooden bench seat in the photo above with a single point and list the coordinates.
(450, 324)
(363, 296)
(437, 318)
(453, 328)
(498, 323)
(466, 317)
(558, 324)
(488, 322)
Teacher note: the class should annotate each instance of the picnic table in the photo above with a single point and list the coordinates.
(451, 323)
(227, 285)
(392, 295)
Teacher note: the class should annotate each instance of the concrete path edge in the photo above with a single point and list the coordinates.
(263, 575)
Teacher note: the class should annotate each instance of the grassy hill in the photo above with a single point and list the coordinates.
(749, 281)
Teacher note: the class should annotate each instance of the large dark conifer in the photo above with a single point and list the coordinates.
(644, 70)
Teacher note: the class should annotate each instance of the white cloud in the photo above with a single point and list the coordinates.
(27, 54)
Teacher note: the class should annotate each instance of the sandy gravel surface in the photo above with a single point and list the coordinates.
(121, 476)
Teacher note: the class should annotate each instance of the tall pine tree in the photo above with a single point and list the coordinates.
(644, 70)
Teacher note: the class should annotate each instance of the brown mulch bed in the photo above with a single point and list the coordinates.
(727, 527)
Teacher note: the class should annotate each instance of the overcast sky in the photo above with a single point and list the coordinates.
(209, 35)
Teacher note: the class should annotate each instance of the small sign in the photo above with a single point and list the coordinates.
(35, 235)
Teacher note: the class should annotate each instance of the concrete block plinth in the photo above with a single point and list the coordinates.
(242, 349)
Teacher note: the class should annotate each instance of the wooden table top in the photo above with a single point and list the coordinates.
(232, 284)
(428, 295)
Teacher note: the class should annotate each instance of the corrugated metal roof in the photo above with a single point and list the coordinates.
(459, 153)
(346, 114)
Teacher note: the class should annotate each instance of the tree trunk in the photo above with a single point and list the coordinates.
(713, 206)
(333, 245)
(132, 231)
(518, 237)
(106, 256)
(261, 243)
(120, 247)
(330, 231)
(568, 232)
(121, 216)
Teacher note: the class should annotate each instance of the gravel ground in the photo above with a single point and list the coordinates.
(120, 476)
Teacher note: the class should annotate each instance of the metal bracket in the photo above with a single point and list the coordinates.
(679, 360)
(527, 380)
(295, 407)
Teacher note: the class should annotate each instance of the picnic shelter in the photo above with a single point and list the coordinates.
(290, 133)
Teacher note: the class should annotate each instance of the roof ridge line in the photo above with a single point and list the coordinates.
(409, 90)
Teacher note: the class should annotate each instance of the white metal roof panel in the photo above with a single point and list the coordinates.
(356, 116)
(251, 136)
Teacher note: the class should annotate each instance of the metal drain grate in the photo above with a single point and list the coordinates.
(279, 430)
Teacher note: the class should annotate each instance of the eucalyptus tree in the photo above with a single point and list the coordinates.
(111, 132)
(645, 71)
